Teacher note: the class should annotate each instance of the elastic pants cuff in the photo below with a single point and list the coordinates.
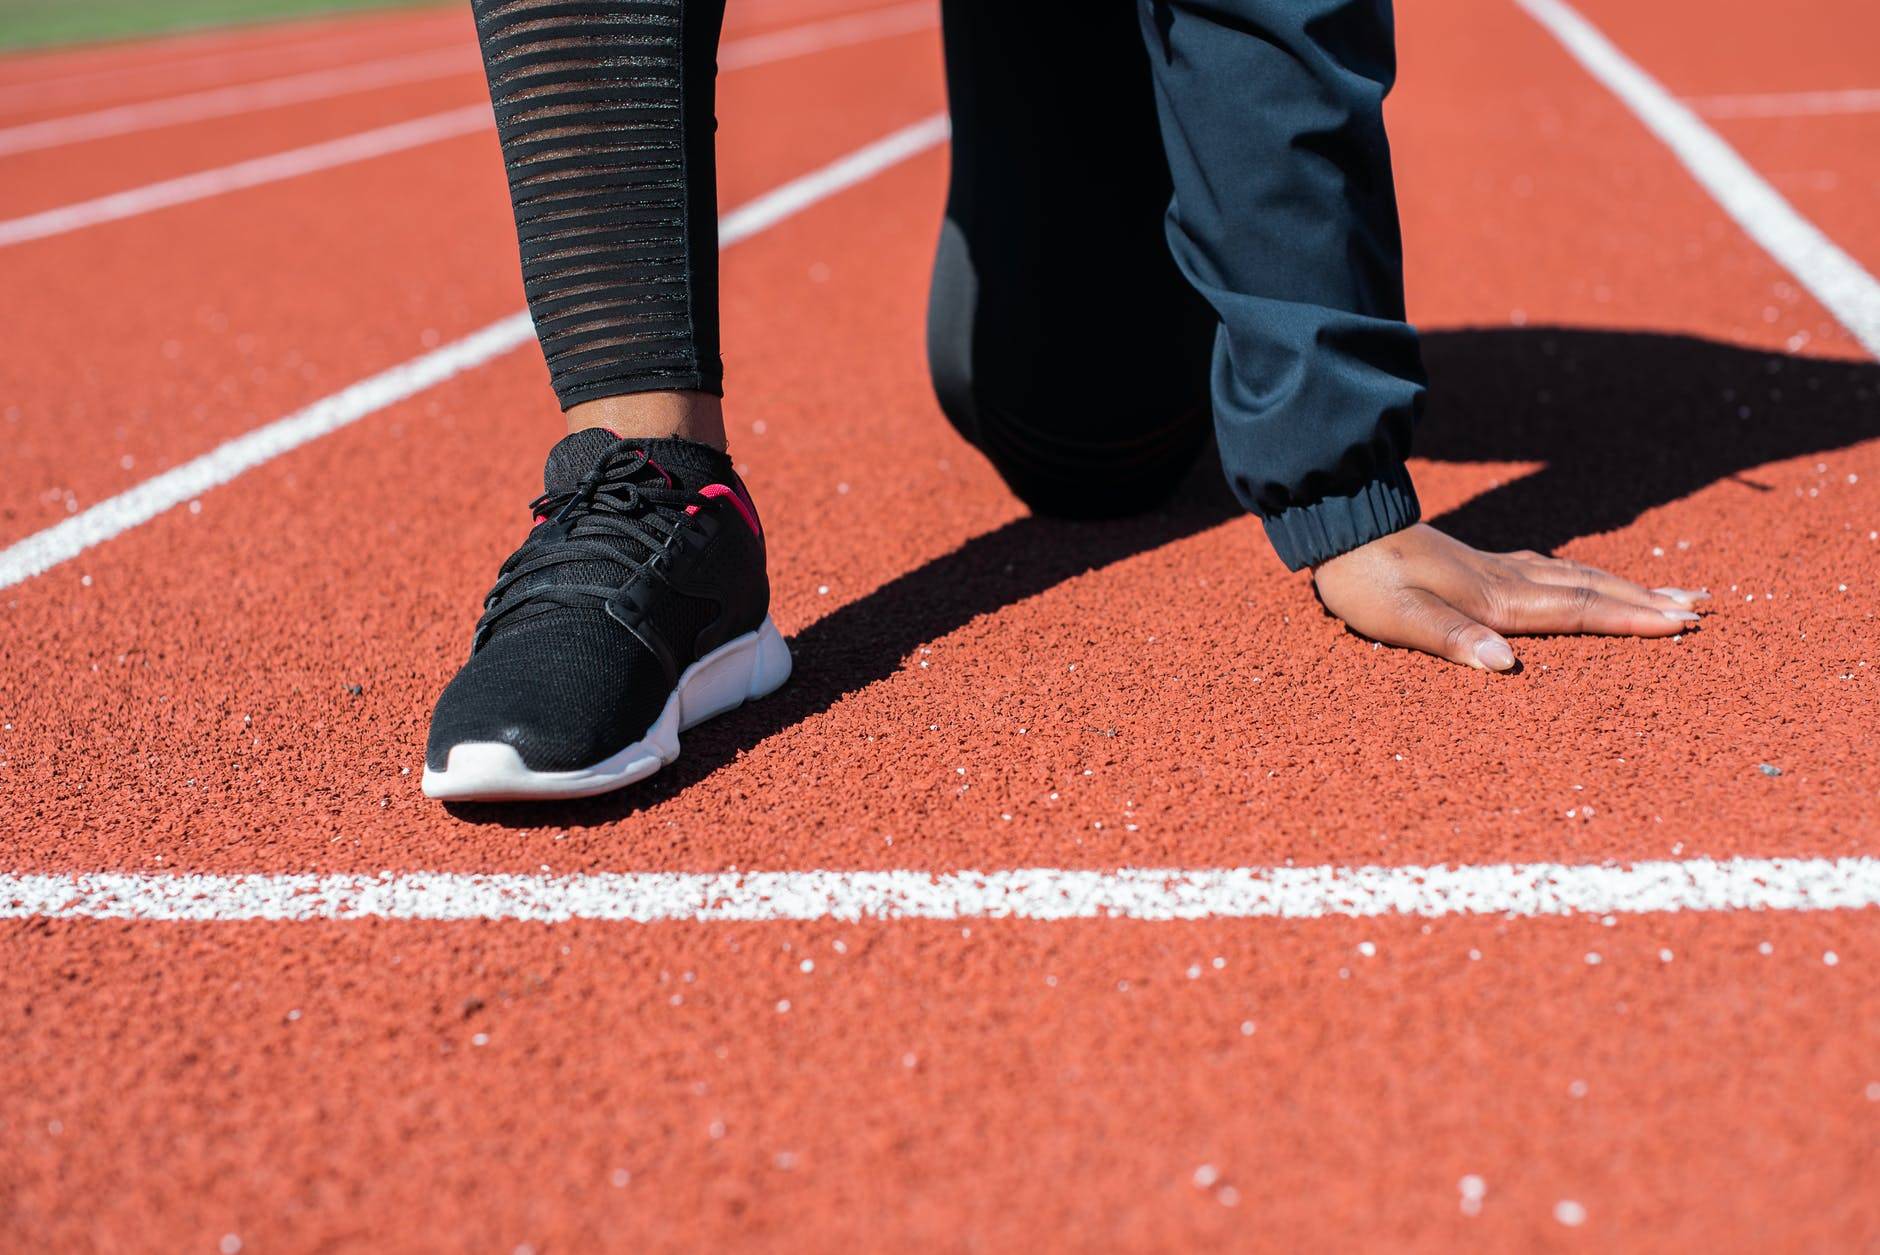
(1307, 535)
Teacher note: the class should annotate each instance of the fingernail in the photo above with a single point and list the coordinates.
(1685, 595)
(1679, 616)
(1495, 655)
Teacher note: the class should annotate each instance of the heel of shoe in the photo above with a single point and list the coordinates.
(770, 661)
(753, 665)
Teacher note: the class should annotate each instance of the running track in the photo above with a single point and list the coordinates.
(1415, 979)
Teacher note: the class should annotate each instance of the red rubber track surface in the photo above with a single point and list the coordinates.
(1154, 692)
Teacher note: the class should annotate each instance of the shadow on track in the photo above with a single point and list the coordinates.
(867, 639)
(1623, 422)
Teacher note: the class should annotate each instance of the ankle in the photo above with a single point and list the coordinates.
(696, 416)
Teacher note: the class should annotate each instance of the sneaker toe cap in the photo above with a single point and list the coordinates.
(562, 709)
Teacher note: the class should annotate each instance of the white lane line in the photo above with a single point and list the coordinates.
(221, 102)
(796, 41)
(1834, 278)
(864, 163)
(115, 515)
(1788, 104)
(1038, 893)
(76, 87)
(245, 174)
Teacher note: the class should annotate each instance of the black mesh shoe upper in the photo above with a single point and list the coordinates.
(631, 575)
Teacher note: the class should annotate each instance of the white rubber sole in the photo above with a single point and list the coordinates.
(746, 667)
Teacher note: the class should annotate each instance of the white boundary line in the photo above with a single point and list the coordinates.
(1035, 893)
(245, 174)
(1788, 104)
(220, 102)
(194, 67)
(796, 41)
(115, 515)
(1834, 278)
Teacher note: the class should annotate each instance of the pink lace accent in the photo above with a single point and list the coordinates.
(738, 499)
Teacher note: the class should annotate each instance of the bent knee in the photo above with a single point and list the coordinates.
(1062, 464)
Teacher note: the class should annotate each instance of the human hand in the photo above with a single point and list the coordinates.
(1424, 590)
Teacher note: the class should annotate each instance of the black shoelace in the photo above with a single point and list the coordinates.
(587, 524)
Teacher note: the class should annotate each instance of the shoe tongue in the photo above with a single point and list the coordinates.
(574, 456)
(690, 464)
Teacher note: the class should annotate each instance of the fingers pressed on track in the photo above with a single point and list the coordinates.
(1569, 574)
(1436, 627)
(1532, 608)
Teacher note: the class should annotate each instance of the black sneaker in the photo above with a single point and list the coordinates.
(638, 607)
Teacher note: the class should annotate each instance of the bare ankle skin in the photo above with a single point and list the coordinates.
(697, 416)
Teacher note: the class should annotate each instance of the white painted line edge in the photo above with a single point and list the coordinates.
(274, 167)
(1788, 104)
(115, 515)
(1033, 893)
(221, 102)
(1798, 246)
(862, 164)
(208, 68)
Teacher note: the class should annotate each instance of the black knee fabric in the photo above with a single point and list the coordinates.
(1285, 218)
(1062, 338)
(605, 111)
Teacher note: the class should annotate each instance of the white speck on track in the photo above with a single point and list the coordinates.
(1036, 893)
